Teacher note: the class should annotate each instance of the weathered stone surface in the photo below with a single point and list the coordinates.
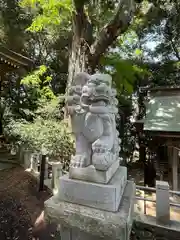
(146, 228)
(92, 105)
(56, 174)
(102, 196)
(92, 223)
(92, 175)
(75, 234)
(162, 202)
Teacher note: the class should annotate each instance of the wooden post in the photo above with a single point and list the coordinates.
(175, 169)
(42, 173)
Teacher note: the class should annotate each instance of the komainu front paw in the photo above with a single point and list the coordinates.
(102, 160)
(78, 161)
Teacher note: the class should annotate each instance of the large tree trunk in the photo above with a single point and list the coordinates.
(78, 61)
(82, 39)
(86, 51)
(79, 52)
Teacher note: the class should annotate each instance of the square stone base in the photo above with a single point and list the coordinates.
(101, 196)
(79, 222)
(92, 175)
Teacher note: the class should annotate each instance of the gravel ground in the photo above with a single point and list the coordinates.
(21, 207)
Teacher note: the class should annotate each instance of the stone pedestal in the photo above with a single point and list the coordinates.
(101, 196)
(78, 222)
(93, 211)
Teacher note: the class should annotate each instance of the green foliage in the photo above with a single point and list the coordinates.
(46, 130)
(134, 62)
(48, 48)
(127, 44)
(13, 22)
(33, 89)
(48, 133)
(39, 83)
(51, 110)
(37, 87)
(124, 72)
(46, 136)
(138, 52)
(48, 12)
(177, 65)
(34, 78)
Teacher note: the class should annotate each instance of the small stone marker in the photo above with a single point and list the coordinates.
(162, 202)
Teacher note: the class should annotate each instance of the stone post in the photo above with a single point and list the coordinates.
(56, 174)
(34, 162)
(94, 201)
(27, 159)
(162, 202)
(21, 155)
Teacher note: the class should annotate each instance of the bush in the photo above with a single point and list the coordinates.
(47, 133)
(46, 136)
(50, 109)
(39, 124)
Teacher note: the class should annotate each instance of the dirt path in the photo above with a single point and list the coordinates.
(21, 207)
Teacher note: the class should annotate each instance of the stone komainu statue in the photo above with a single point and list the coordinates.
(92, 105)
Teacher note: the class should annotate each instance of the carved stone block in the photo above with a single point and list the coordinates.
(81, 222)
(90, 174)
(102, 196)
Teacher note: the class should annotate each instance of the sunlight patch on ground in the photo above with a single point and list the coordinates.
(30, 170)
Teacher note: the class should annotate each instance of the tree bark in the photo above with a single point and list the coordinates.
(86, 51)
(109, 33)
(82, 38)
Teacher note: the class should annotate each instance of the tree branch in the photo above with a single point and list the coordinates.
(173, 45)
(78, 17)
(82, 25)
(176, 52)
(118, 25)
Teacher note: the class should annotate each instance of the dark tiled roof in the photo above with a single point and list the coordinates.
(14, 59)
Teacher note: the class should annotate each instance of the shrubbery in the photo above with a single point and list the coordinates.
(45, 135)
(47, 132)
